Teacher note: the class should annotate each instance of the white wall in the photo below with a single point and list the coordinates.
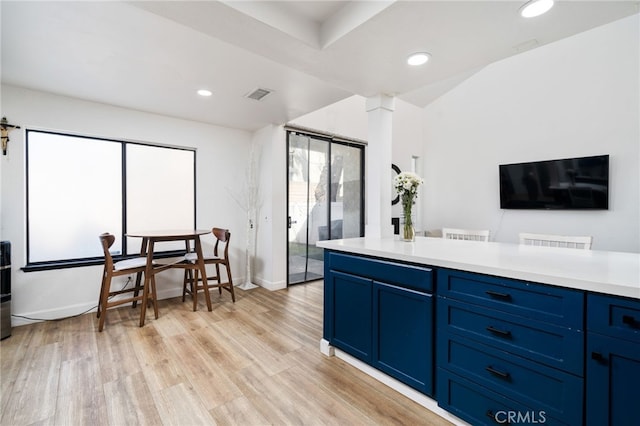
(347, 117)
(271, 233)
(222, 155)
(407, 143)
(576, 97)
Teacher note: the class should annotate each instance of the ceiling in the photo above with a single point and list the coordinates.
(153, 55)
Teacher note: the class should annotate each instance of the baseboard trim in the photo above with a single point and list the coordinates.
(270, 285)
(75, 310)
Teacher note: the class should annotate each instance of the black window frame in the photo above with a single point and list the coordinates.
(97, 260)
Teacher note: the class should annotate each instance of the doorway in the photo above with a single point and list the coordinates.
(325, 199)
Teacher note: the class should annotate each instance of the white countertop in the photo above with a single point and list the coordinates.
(614, 273)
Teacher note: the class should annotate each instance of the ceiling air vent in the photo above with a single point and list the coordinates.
(258, 94)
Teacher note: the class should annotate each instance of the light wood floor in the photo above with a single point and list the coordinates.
(255, 362)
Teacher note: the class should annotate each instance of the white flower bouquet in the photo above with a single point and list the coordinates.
(406, 185)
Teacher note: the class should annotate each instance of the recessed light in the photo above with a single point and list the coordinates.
(204, 92)
(535, 8)
(418, 58)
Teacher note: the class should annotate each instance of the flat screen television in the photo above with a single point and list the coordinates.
(571, 183)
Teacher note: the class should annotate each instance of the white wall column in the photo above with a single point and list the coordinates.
(378, 184)
(270, 262)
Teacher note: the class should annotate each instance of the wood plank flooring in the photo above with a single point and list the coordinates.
(255, 362)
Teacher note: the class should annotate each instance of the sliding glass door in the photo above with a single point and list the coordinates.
(325, 199)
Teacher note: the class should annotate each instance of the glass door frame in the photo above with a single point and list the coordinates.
(331, 141)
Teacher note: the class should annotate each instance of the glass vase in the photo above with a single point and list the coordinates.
(407, 232)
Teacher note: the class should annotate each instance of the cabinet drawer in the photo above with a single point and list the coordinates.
(404, 275)
(549, 344)
(614, 316)
(481, 406)
(541, 302)
(558, 393)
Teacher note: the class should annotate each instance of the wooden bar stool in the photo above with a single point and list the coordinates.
(191, 284)
(136, 265)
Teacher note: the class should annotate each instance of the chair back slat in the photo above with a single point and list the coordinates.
(465, 234)
(563, 241)
(222, 236)
(107, 241)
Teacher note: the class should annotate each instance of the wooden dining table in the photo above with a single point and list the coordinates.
(149, 238)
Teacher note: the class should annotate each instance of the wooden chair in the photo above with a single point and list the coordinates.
(220, 258)
(136, 265)
(465, 234)
(544, 240)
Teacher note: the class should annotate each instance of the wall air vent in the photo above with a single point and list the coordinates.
(258, 94)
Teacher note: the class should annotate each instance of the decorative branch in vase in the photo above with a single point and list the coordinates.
(406, 185)
(247, 199)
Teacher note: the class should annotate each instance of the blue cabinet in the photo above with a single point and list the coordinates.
(613, 361)
(509, 348)
(382, 313)
(506, 351)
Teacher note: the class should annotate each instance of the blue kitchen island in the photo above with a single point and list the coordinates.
(489, 332)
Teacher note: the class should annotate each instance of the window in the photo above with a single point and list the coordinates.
(79, 187)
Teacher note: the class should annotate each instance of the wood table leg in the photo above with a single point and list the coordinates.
(143, 252)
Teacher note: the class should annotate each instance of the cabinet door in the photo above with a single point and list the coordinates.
(613, 375)
(350, 322)
(403, 335)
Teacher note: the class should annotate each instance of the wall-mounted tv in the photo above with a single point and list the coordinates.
(570, 183)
